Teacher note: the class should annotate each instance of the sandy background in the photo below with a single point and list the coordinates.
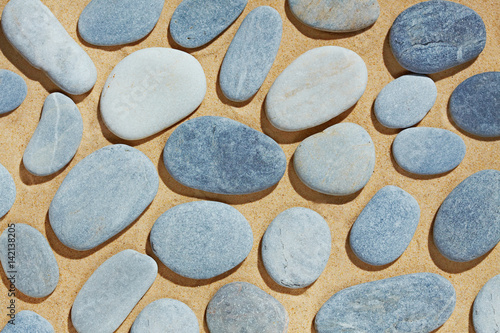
(34, 194)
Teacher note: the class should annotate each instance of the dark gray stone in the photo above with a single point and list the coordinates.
(7, 191)
(486, 309)
(13, 90)
(28, 322)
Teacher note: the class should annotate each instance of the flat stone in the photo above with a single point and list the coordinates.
(56, 138)
(338, 161)
(427, 150)
(166, 316)
(35, 267)
(432, 36)
(385, 227)
(296, 247)
(13, 90)
(107, 23)
(220, 155)
(197, 22)
(418, 302)
(201, 239)
(336, 15)
(486, 309)
(150, 90)
(28, 321)
(467, 224)
(251, 54)
(243, 307)
(475, 105)
(112, 292)
(37, 34)
(405, 101)
(101, 195)
(318, 86)
(7, 191)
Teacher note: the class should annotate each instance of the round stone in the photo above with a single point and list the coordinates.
(13, 90)
(7, 191)
(486, 309)
(28, 321)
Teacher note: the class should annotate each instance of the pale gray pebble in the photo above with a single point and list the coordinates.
(13, 90)
(7, 191)
(112, 292)
(102, 195)
(35, 266)
(27, 321)
(56, 138)
(486, 309)
(296, 247)
(243, 307)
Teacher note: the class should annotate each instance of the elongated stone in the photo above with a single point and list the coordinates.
(13, 90)
(37, 34)
(102, 195)
(486, 309)
(7, 191)
(28, 321)
(112, 292)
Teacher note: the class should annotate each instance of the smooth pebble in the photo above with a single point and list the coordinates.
(486, 309)
(13, 91)
(7, 191)
(28, 321)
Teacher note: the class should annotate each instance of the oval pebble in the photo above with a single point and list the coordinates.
(385, 227)
(56, 138)
(101, 195)
(475, 105)
(296, 247)
(195, 23)
(418, 302)
(427, 150)
(318, 86)
(251, 54)
(13, 90)
(201, 239)
(107, 23)
(7, 191)
(243, 307)
(467, 224)
(112, 292)
(37, 272)
(336, 15)
(405, 101)
(432, 36)
(166, 316)
(41, 39)
(28, 321)
(220, 155)
(486, 309)
(338, 161)
(150, 90)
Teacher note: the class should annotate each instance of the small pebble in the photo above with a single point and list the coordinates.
(7, 191)
(28, 322)
(13, 91)
(486, 310)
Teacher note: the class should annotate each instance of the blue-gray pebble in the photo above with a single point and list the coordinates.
(197, 22)
(56, 138)
(418, 302)
(243, 307)
(13, 90)
(486, 309)
(475, 105)
(432, 36)
(385, 227)
(101, 195)
(201, 239)
(467, 224)
(28, 321)
(296, 247)
(220, 155)
(427, 150)
(251, 54)
(7, 191)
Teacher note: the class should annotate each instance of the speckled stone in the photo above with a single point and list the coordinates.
(296, 247)
(150, 90)
(36, 270)
(197, 22)
(243, 307)
(385, 227)
(166, 316)
(418, 302)
(318, 86)
(405, 101)
(338, 161)
(13, 90)
(475, 105)
(7, 191)
(201, 239)
(486, 309)
(37, 34)
(467, 224)
(101, 195)
(28, 321)
(432, 36)
(105, 22)
(336, 15)
(427, 150)
(220, 155)
(56, 138)
(112, 292)
(251, 54)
